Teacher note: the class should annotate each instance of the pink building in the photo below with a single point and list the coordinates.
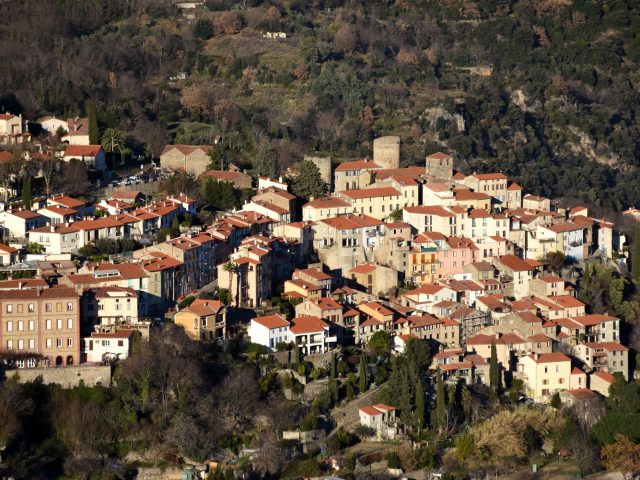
(455, 254)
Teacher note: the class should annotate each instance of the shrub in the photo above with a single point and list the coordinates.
(363, 431)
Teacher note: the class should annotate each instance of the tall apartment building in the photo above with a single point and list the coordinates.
(43, 322)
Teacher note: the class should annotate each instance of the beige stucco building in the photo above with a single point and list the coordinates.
(192, 159)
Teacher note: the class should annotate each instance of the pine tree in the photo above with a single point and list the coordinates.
(92, 113)
(635, 256)
(420, 409)
(494, 370)
(308, 181)
(362, 371)
(26, 192)
(440, 400)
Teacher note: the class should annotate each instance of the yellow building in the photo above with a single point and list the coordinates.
(203, 320)
(545, 374)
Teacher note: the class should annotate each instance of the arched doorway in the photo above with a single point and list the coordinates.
(58, 360)
(70, 360)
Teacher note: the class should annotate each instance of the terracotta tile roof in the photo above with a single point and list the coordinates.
(24, 214)
(439, 156)
(313, 272)
(59, 229)
(455, 366)
(327, 202)
(363, 268)
(23, 284)
(125, 194)
(582, 393)
(550, 357)
(7, 249)
(357, 165)
(490, 176)
(593, 319)
(540, 338)
(82, 150)
(271, 321)
(371, 192)
(308, 325)
(566, 301)
(514, 263)
(29, 294)
(431, 210)
(122, 333)
(371, 411)
(67, 201)
(347, 222)
(606, 376)
(186, 149)
(608, 346)
(514, 186)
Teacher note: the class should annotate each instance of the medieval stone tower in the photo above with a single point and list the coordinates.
(386, 151)
(440, 165)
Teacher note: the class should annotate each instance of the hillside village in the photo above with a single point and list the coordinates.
(478, 271)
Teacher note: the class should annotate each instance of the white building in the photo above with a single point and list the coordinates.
(104, 347)
(269, 331)
(380, 417)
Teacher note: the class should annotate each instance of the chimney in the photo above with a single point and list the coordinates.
(311, 198)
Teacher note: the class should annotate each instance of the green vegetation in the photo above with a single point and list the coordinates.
(539, 90)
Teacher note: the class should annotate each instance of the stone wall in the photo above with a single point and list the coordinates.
(67, 377)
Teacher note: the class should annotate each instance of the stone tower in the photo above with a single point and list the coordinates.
(440, 165)
(324, 165)
(386, 151)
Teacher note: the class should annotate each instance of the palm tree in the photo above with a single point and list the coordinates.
(231, 268)
(113, 140)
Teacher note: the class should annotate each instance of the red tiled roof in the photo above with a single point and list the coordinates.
(371, 192)
(271, 321)
(514, 263)
(582, 393)
(606, 376)
(550, 357)
(357, 165)
(186, 149)
(82, 150)
(490, 176)
(308, 325)
(439, 156)
(363, 268)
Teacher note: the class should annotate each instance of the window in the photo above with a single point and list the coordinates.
(31, 362)
(9, 308)
(59, 324)
(20, 344)
(59, 342)
(48, 343)
(69, 323)
(48, 307)
(69, 342)
(32, 344)
(32, 325)
(106, 343)
(9, 326)
(48, 324)
(9, 344)
(121, 343)
(69, 307)
(20, 326)
(31, 307)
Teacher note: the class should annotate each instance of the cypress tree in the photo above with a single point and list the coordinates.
(440, 400)
(26, 192)
(296, 354)
(92, 113)
(420, 404)
(635, 256)
(494, 370)
(332, 373)
(363, 383)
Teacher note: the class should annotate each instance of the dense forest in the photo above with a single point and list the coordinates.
(545, 90)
